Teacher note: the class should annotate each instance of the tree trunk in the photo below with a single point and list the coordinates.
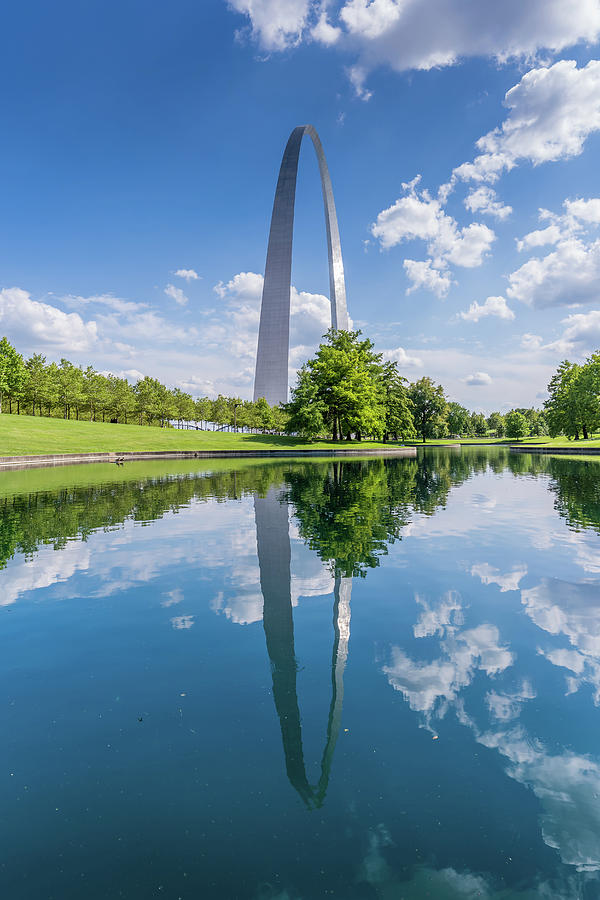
(585, 432)
(18, 407)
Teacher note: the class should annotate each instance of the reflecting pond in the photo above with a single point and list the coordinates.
(301, 679)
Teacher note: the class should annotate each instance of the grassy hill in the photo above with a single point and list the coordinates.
(23, 435)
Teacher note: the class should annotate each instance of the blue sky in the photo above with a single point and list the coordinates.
(141, 141)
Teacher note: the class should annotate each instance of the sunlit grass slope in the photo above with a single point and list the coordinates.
(23, 435)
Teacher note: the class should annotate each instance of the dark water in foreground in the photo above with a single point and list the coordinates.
(369, 679)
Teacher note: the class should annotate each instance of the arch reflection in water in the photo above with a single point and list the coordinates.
(274, 555)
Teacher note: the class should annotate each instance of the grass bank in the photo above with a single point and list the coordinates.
(24, 435)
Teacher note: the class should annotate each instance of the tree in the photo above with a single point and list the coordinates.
(429, 405)
(306, 411)
(122, 399)
(346, 374)
(12, 370)
(516, 424)
(572, 407)
(69, 383)
(479, 424)
(146, 398)
(263, 415)
(399, 420)
(36, 381)
(458, 419)
(496, 423)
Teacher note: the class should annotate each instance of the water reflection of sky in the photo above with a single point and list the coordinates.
(483, 621)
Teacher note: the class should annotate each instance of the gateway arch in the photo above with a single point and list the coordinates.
(271, 378)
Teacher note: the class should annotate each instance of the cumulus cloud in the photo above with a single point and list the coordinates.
(275, 24)
(176, 294)
(419, 216)
(404, 360)
(493, 306)
(187, 274)
(410, 34)
(569, 273)
(582, 328)
(483, 199)
(566, 276)
(422, 274)
(32, 324)
(552, 112)
(477, 379)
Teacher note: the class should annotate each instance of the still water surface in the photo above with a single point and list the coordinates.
(298, 680)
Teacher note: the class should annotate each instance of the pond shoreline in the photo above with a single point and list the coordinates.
(64, 459)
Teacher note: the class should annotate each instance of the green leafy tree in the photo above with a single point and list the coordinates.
(346, 374)
(479, 424)
(202, 410)
(69, 384)
(122, 398)
(146, 399)
(458, 419)
(306, 411)
(429, 405)
(263, 415)
(399, 421)
(13, 374)
(572, 406)
(496, 423)
(36, 382)
(516, 424)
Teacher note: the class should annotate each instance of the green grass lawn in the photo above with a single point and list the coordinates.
(24, 435)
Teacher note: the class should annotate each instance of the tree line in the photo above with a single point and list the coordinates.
(64, 390)
(347, 390)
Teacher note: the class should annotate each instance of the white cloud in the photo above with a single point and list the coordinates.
(172, 597)
(490, 575)
(504, 706)
(176, 294)
(411, 34)
(117, 304)
(582, 328)
(324, 32)
(552, 112)
(187, 274)
(566, 276)
(540, 238)
(478, 378)
(493, 306)
(33, 325)
(404, 360)
(182, 623)
(419, 216)
(483, 199)
(422, 274)
(275, 24)
(531, 341)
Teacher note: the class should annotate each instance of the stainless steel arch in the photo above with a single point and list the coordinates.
(271, 379)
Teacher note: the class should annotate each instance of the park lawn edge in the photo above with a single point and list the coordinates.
(34, 435)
